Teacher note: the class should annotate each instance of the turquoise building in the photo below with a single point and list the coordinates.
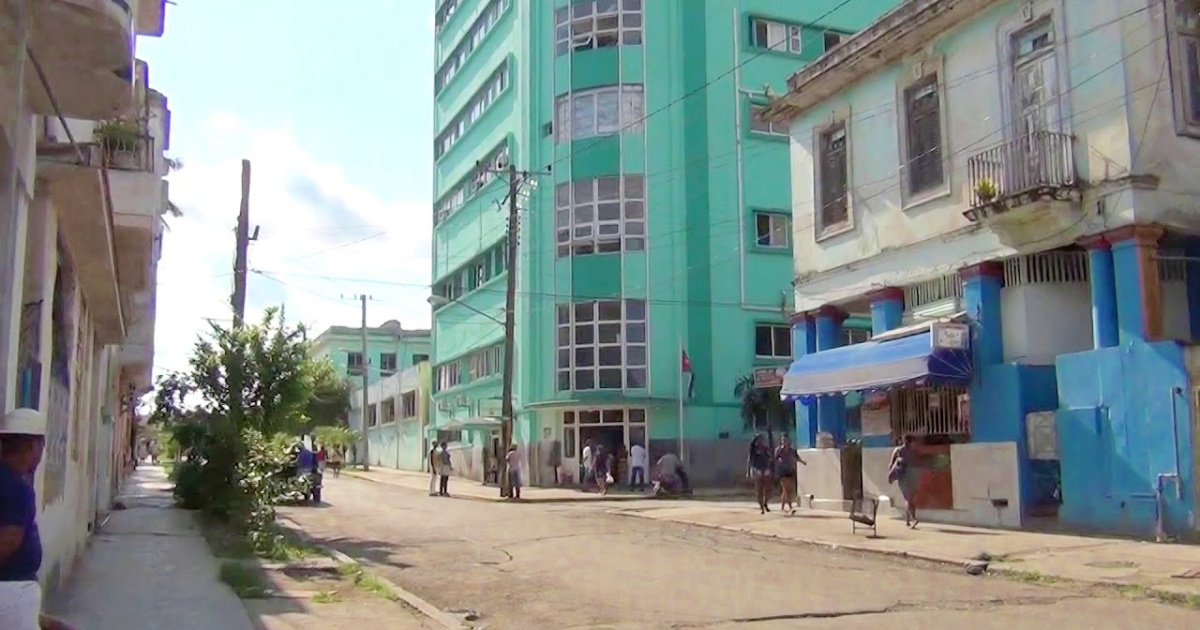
(655, 222)
(390, 349)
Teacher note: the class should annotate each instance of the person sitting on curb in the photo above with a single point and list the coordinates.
(22, 438)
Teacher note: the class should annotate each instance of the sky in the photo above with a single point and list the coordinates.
(330, 103)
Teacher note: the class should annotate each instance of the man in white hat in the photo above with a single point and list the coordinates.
(22, 438)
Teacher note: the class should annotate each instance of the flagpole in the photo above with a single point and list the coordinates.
(682, 457)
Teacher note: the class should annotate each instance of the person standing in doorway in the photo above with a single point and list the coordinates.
(444, 469)
(759, 465)
(586, 473)
(22, 439)
(786, 459)
(434, 462)
(600, 466)
(637, 467)
(514, 471)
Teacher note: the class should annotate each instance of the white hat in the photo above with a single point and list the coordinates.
(23, 422)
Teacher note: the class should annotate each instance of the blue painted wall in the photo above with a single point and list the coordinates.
(1115, 437)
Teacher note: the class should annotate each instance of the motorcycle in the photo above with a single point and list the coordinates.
(670, 488)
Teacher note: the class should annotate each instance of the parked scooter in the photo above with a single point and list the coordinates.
(670, 488)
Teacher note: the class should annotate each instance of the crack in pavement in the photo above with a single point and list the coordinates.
(898, 607)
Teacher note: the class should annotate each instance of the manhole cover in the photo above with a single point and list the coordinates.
(1112, 564)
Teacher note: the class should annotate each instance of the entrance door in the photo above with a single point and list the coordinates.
(1036, 107)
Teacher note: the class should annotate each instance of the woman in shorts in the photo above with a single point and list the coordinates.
(760, 463)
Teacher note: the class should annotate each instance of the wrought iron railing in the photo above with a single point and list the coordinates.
(1038, 162)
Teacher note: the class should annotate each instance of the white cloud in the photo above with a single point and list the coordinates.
(322, 238)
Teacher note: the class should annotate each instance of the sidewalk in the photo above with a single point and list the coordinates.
(473, 490)
(151, 567)
(1172, 569)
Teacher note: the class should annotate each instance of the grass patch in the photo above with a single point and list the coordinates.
(1127, 591)
(367, 581)
(327, 597)
(246, 581)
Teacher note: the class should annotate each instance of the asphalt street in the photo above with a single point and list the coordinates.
(569, 566)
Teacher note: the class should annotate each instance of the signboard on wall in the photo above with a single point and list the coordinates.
(876, 413)
(766, 377)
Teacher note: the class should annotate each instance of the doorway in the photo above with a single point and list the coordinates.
(615, 429)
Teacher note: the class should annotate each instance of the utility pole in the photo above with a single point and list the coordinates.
(366, 382)
(240, 264)
(510, 302)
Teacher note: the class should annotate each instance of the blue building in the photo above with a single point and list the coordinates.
(1007, 189)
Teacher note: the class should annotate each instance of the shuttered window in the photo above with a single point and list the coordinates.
(923, 119)
(833, 175)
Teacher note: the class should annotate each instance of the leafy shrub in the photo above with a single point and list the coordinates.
(189, 485)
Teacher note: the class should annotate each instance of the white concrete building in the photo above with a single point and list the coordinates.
(397, 417)
(81, 196)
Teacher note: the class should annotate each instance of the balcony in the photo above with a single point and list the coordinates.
(1025, 175)
(85, 49)
(151, 17)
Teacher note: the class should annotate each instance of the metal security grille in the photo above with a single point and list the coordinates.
(930, 291)
(1046, 268)
(928, 411)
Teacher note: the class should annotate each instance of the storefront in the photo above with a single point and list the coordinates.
(914, 381)
(612, 428)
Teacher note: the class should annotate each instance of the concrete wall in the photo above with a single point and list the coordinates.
(1122, 422)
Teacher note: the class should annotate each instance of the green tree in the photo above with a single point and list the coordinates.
(329, 405)
(761, 409)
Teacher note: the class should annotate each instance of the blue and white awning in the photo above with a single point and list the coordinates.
(936, 355)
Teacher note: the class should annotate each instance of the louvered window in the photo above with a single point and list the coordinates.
(923, 111)
(834, 204)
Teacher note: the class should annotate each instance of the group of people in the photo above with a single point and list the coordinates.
(598, 466)
(766, 466)
(440, 467)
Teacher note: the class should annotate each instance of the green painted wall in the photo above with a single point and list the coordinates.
(706, 281)
(337, 347)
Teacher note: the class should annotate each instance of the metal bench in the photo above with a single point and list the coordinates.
(864, 512)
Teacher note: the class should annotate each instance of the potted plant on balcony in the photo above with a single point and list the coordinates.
(986, 190)
(116, 137)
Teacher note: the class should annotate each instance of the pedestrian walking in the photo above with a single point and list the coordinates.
(434, 462)
(904, 471)
(759, 465)
(638, 459)
(444, 469)
(602, 464)
(786, 459)
(514, 471)
(22, 439)
(586, 459)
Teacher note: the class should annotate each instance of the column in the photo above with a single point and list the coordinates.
(804, 341)
(1192, 252)
(831, 409)
(1104, 291)
(887, 309)
(981, 296)
(1137, 283)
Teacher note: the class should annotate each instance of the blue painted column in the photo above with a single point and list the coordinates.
(887, 313)
(1138, 286)
(887, 309)
(981, 297)
(831, 410)
(1104, 292)
(804, 341)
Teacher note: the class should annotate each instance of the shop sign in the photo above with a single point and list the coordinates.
(768, 377)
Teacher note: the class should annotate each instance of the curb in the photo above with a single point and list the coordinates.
(467, 497)
(425, 608)
(1002, 571)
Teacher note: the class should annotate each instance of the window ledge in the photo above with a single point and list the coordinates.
(835, 230)
(774, 51)
(772, 137)
(916, 201)
(771, 251)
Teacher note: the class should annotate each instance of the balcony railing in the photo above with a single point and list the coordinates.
(1021, 171)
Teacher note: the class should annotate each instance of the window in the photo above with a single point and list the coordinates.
(388, 410)
(775, 36)
(598, 112)
(445, 11)
(372, 415)
(772, 341)
(387, 362)
(354, 363)
(447, 375)
(600, 215)
(762, 126)
(771, 229)
(483, 100)
(467, 187)
(597, 24)
(1186, 65)
(449, 437)
(408, 405)
(832, 174)
(601, 345)
(487, 20)
(477, 272)
(924, 167)
(851, 336)
(832, 39)
(419, 358)
(486, 362)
